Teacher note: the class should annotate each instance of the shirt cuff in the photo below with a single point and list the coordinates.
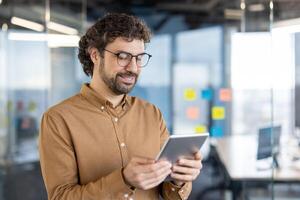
(119, 189)
(172, 191)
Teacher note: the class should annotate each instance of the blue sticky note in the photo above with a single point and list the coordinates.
(207, 94)
(216, 131)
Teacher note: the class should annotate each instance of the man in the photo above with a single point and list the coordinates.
(101, 143)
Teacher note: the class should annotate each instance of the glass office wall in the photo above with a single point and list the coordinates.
(24, 84)
(64, 23)
(263, 81)
(285, 29)
(247, 152)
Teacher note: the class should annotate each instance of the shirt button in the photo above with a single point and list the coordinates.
(122, 144)
(130, 198)
(173, 189)
(116, 119)
(102, 107)
(126, 195)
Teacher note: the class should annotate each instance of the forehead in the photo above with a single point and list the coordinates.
(120, 44)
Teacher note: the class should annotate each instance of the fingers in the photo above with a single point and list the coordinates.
(156, 178)
(146, 175)
(153, 174)
(184, 173)
(185, 170)
(184, 177)
(152, 167)
(198, 156)
(190, 163)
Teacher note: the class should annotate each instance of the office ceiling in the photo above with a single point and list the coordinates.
(157, 13)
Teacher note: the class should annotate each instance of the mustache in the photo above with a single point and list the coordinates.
(127, 74)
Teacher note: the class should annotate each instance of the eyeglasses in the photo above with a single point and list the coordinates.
(124, 58)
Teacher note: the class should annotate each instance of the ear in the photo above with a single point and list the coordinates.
(94, 55)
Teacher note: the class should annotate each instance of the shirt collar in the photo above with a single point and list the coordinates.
(98, 100)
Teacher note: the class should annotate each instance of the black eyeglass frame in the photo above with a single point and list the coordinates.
(131, 56)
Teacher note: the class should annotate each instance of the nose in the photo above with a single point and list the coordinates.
(132, 66)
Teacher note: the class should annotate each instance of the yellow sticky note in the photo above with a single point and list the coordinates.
(200, 129)
(192, 112)
(218, 113)
(31, 106)
(9, 106)
(190, 94)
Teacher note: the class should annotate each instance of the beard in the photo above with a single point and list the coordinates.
(115, 84)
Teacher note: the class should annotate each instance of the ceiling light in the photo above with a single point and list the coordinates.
(271, 5)
(27, 36)
(54, 40)
(4, 27)
(27, 24)
(58, 40)
(256, 7)
(61, 28)
(234, 14)
(243, 5)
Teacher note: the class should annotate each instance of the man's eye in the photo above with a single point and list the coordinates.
(123, 56)
(140, 57)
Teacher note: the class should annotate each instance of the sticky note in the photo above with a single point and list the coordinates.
(9, 106)
(207, 94)
(218, 113)
(225, 94)
(190, 94)
(216, 131)
(200, 129)
(192, 112)
(31, 106)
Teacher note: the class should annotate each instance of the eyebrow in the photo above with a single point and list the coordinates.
(121, 51)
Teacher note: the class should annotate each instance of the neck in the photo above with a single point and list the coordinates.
(101, 88)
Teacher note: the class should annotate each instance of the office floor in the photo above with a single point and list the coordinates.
(23, 182)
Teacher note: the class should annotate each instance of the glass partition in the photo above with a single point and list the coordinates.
(64, 22)
(285, 98)
(24, 86)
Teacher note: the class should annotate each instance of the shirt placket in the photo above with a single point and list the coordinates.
(115, 118)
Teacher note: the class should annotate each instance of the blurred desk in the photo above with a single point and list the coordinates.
(238, 155)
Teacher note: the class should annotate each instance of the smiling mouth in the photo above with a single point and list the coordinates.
(127, 79)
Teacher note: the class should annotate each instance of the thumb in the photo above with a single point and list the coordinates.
(198, 155)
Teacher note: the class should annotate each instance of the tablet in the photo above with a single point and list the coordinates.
(181, 146)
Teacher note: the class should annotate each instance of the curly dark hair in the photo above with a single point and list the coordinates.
(105, 31)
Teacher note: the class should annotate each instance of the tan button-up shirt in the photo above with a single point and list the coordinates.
(84, 143)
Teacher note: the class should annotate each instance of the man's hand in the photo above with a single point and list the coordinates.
(144, 173)
(187, 169)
